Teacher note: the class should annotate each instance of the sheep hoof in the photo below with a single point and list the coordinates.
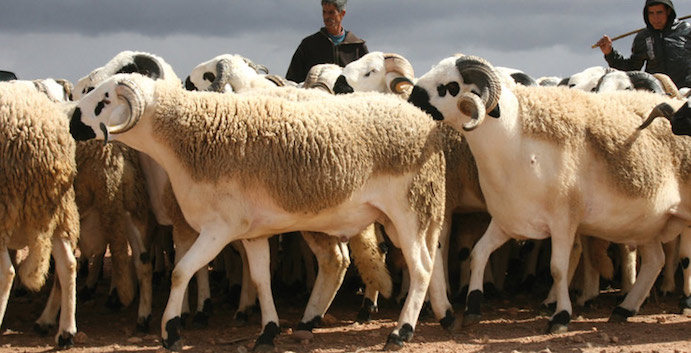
(449, 322)
(143, 324)
(393, 343)
(200, 320)
(620, 315)
(560, 322)
(365, 313)
(113, 301)
(265, 342)
(174, 341)
(65, 341)
(42, 329)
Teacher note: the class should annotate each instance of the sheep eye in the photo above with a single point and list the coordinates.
(106, 94)
(453, 88)
(370, 72)
(441, 90)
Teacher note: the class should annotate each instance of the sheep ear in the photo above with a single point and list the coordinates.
(128, 91)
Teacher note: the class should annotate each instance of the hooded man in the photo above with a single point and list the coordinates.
(331, 45)
(664, 45)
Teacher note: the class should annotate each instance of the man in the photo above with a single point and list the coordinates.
(664, 45)
(332, 44)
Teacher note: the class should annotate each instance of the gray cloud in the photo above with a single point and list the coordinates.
(69, 38)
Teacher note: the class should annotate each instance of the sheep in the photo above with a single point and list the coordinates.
(556, 145)
(322, 76)
(585, 80)
(38, 205)
(239, 73)
(248, 166)
(378, 72)
(231, 73)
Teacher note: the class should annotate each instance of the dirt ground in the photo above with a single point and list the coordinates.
(511, 324)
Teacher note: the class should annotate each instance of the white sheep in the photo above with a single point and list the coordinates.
(248, 166)
(38, 205)
(568, 161)
(377, 72)
(231, 73)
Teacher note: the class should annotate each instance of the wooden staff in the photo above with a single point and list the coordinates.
(636, 31)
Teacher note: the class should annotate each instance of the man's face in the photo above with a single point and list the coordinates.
(332, 18)
(657, 16)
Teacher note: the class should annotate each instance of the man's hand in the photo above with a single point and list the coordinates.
(605, 44)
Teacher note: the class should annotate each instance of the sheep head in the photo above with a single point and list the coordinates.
(224, 73)
(323, 76)
(377, 71)
(467, 85)
(112, 108)
(127, 61)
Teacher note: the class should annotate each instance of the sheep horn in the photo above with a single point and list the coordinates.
(129, 91)
(662, 109)
(256, 67)
(645, 81)
(222, 76)
(398, 64)
(471, 105)
(668, 85)
(320, 85)
(277, 80)
(481, 73)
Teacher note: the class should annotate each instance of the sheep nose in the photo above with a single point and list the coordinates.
(342, 86)
(78, 130)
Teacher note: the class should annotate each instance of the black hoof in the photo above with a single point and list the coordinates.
(560, 322)
(365, 313)
(113, 301)
(620, 315)
(449, 321)
(143, 324)
(266, 339)
(174, 341)
(65, 341)
(396, 341)
(184, 317)
(200, 320)
(43, 329)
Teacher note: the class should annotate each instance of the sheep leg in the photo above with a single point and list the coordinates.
(204, 307)
(144, 269)
(7, 274)
(333, 261)
(248, 291)
(574, 259)
(493, 238)
(49, 316)
(684, 257)
(671, 249)
(418, 252)
(438, 290)
(260, 272)
(66, 270)
(562, 267)
(652, 260)
(205, 248)
(370, 261)
(591, 276)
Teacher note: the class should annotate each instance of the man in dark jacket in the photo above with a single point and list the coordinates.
(332, 44)
(664, 45)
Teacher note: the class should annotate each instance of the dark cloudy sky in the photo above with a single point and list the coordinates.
(69, 38)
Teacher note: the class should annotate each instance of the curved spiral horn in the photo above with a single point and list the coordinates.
(398, 64)
(661, 110)
(668, 85)
(128, 91)
(478, 71)
(222, 76)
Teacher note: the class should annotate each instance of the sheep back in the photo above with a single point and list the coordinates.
(37, 174)
(605, 124)
(308, 155)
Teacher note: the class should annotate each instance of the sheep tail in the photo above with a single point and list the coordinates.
(370, 261)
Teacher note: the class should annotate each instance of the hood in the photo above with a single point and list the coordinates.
(672, 14)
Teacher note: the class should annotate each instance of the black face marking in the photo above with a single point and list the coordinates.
(341, 86)
(189, 85)
(420, 98)
(495, 113)
(78, 129)
(452, 88)
(681, 121)
(99, 107)
(209, 76)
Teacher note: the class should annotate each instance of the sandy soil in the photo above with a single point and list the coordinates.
(510, 325)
